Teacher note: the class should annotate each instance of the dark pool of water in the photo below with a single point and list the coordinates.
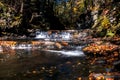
(46, 65)
(42, 65)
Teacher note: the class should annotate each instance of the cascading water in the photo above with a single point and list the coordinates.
(61, 36)
(41, 35)
(68, 53)
(54, 36)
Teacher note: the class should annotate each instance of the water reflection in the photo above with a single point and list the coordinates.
(25, 50)
(25, 61)
(37, 64)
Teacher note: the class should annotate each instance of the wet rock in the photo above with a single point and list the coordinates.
(49, 43)
(115, 40)
(64, 43)
(75, 36)
(34, 72)
(58, 45)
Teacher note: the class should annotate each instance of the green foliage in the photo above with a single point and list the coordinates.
(68, 12)
(36, 13)
(108, 19)
(110, 33)
(8, 17)
(105, 23)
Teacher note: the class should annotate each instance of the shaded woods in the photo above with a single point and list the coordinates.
(23, 17)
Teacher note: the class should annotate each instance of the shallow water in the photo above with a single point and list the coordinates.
(44, 65)
(41, 64)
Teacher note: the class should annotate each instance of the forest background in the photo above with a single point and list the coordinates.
(24, 17)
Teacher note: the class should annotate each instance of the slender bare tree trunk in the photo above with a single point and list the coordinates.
(22, 5)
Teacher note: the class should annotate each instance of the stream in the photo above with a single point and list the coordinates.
(25, 63)
(28, 64)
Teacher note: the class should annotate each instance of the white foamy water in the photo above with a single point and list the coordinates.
(1, 49)
(68, 53)
(22, 46)
(79, 47)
